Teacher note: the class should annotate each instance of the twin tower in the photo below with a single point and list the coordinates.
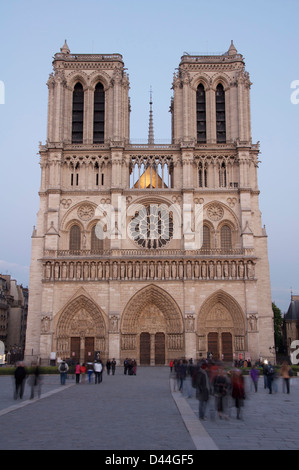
(152, 252)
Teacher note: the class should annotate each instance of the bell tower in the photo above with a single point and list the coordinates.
(88, 99)
(211, 99)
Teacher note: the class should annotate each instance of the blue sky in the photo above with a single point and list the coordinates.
(152, 37)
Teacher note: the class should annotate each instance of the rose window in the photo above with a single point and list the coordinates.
(152, 226)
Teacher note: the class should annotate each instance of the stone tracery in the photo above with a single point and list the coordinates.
(81, 317)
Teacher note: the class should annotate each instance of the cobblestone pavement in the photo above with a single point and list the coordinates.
(122, 413)
(269, 422)
(140, 413)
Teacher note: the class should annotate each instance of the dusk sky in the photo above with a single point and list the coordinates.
(152, 37)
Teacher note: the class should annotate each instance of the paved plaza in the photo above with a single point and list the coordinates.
(141, 413)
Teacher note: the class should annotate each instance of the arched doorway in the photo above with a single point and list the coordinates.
(80, 331)
(152, 328)
(221, 328)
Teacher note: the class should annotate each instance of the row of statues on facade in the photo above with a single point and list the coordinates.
(102, 270)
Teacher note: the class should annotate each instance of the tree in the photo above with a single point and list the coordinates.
(278, 320)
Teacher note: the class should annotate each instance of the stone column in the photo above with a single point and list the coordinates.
(152, 350)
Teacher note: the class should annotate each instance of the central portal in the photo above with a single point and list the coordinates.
(152, 349)
(152, 325)
(152, 329)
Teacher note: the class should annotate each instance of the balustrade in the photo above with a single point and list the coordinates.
(149, 270)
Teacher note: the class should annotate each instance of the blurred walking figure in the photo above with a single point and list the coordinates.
(113, 365)
(238, 390)
(63, 368)
(20, 376)
(220, 387)
(254, 375)
(35, 382)
(286, 373)
(201, 380)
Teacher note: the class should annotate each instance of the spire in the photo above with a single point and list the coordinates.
(151, 123)
(232, 50)
(65, 48)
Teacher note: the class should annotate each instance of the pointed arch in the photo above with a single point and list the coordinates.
(81, 317)
(230, 304)
(158, 297)
(221, 327)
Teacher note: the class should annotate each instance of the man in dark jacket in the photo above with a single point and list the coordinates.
(20, 376)
(203, 389)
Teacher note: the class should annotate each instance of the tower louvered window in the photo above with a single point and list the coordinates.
(220, 114)
(201, 114)
(77, 117)
(99, 114)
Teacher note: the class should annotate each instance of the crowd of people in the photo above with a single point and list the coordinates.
(210, 380)
(34, 380)
(207, 380)
(93, 370)
(130, 366)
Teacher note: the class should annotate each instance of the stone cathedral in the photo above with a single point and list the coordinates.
(149, 251)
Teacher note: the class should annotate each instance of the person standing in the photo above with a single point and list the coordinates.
(20, 376)
(108, 366)
(78, 372)
(83, 370)
(89, 371)
(63, 368)
(254, 375)
(269, 371)
(98, 372)
(286, 373)
(113, 366)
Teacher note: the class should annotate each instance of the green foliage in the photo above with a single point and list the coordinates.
(278, 321)
(8, 370)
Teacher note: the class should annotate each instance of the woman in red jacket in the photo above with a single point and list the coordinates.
(77, 372)
(238, 390)
(83, 370)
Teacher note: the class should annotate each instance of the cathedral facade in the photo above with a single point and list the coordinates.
(152, 252)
